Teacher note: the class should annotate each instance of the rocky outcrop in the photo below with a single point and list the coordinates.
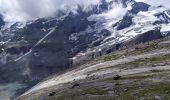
(2, 23)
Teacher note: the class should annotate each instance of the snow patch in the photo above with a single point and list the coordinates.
(165, 28)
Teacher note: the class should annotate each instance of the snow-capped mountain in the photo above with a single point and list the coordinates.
(33, 50)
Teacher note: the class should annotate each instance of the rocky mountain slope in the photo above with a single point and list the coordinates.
(37, 49)
(139, 72)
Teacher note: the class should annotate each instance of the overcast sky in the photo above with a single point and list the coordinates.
(23, 10)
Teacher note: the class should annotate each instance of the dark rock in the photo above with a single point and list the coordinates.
(125, 22)
(146, 37)
(117, 77)
(164, 18)
(153, 65)
(2, 23)
(51, 94)
(139, 6)
(75, 85)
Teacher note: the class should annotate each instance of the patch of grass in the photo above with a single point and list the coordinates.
(95, 91)
(77, 95)
(162, 58)
(136, 77)
(111, 57)
(160, 89)
(144, 49)
(106, 79)
(130, 77)
(156, 71)
(146, 61)
(132, 50)
(137, 63)
(68, 96)
(87, 98)
(146, 93)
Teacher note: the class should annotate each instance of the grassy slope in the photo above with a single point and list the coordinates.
(142, 86)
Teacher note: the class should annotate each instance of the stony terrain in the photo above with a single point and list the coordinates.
(139, 72)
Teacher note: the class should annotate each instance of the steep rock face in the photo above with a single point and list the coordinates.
(53, 51)
(125, 22)
(139, 6)
(164, 16)
(146, 37)
(46, 46)
(2, 23)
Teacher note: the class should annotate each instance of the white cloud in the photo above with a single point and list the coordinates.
(23, 10)
(117, 11)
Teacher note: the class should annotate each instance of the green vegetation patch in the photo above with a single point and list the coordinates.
(161, 90)
(78, 95)
(147, 61)
(111, 57)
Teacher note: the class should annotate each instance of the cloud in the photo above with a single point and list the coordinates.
(23, 10)
(117, 11)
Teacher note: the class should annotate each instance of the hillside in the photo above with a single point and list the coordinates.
(137, 72)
